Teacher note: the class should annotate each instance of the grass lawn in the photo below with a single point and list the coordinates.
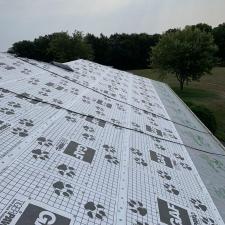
(210, 92)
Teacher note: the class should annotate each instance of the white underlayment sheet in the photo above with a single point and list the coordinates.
(62, 168)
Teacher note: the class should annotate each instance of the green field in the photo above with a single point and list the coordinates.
(210, 92)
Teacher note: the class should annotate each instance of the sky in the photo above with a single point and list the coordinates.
(28, 19)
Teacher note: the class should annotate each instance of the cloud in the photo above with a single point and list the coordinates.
(25, 19)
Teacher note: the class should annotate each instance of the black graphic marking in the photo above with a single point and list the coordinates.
(66, 170)
(62, 189)
(159, 158)
(171, 214)
(39, 154)
(80, 152)
(198, 204)
(37, 215)
(95, 210)
(137, 207)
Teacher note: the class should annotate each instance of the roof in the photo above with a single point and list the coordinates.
(89, 144)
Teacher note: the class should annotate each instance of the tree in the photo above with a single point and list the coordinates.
(54, 47)
(219, 37)
(202, 27)
(23, 49)
(64, 47)
(123, 51)
(101, 48)
(187, 53)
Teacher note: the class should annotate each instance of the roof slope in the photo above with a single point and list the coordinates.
(100, 146)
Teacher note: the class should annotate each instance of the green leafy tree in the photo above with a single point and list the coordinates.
(219, 37)
(54, 47)
(203, 27)
(187, 53)
(23, 49)
(64, 47)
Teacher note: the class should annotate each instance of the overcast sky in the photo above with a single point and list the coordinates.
(27, 19)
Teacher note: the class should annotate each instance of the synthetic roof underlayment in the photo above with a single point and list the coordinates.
(100, 146)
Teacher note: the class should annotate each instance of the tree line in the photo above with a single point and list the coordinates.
(122, 51)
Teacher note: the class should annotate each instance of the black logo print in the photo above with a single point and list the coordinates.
(86, 99)
(57, 101)
(89, 137)
(156, 139)
(100, 102)
(116, 122)
(109, 148)
(14, 104)
(140, 223)
(178, 156)
(136, 126)
(123, 97)
(159, 158)
(4, 125)
(66, 170)
(120, 107)
(109, 157)
(64, 82)
(109, 93)
(208, 221)
(171, 189)
(112, 159)
(44, 91)
(55, 86)
(85, 83)
(74, 91)
(135, 110)
(152, 121)
(154, 130)
(20, 131)
(198, 204)
(60, 88)
(137, 207)
(18, 63)
(41, 216)
(164, 175)
(89, 129)
(7, 111)
(7, 67)
(50, 84)
(138, 159)
(33, 81)
(100, 111)
(169, 135)
(32, 101)
(171, 214)
(55, 106)
(60, 145)
(160, 147)
(10, 68)
(71, 119)
(80, 152)
(39, 154)
(168, 130)
(95, 210)
(26, 71)
(98, 122)
(44, 141)
(27, 122)
(185, 166)
(63, 189)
